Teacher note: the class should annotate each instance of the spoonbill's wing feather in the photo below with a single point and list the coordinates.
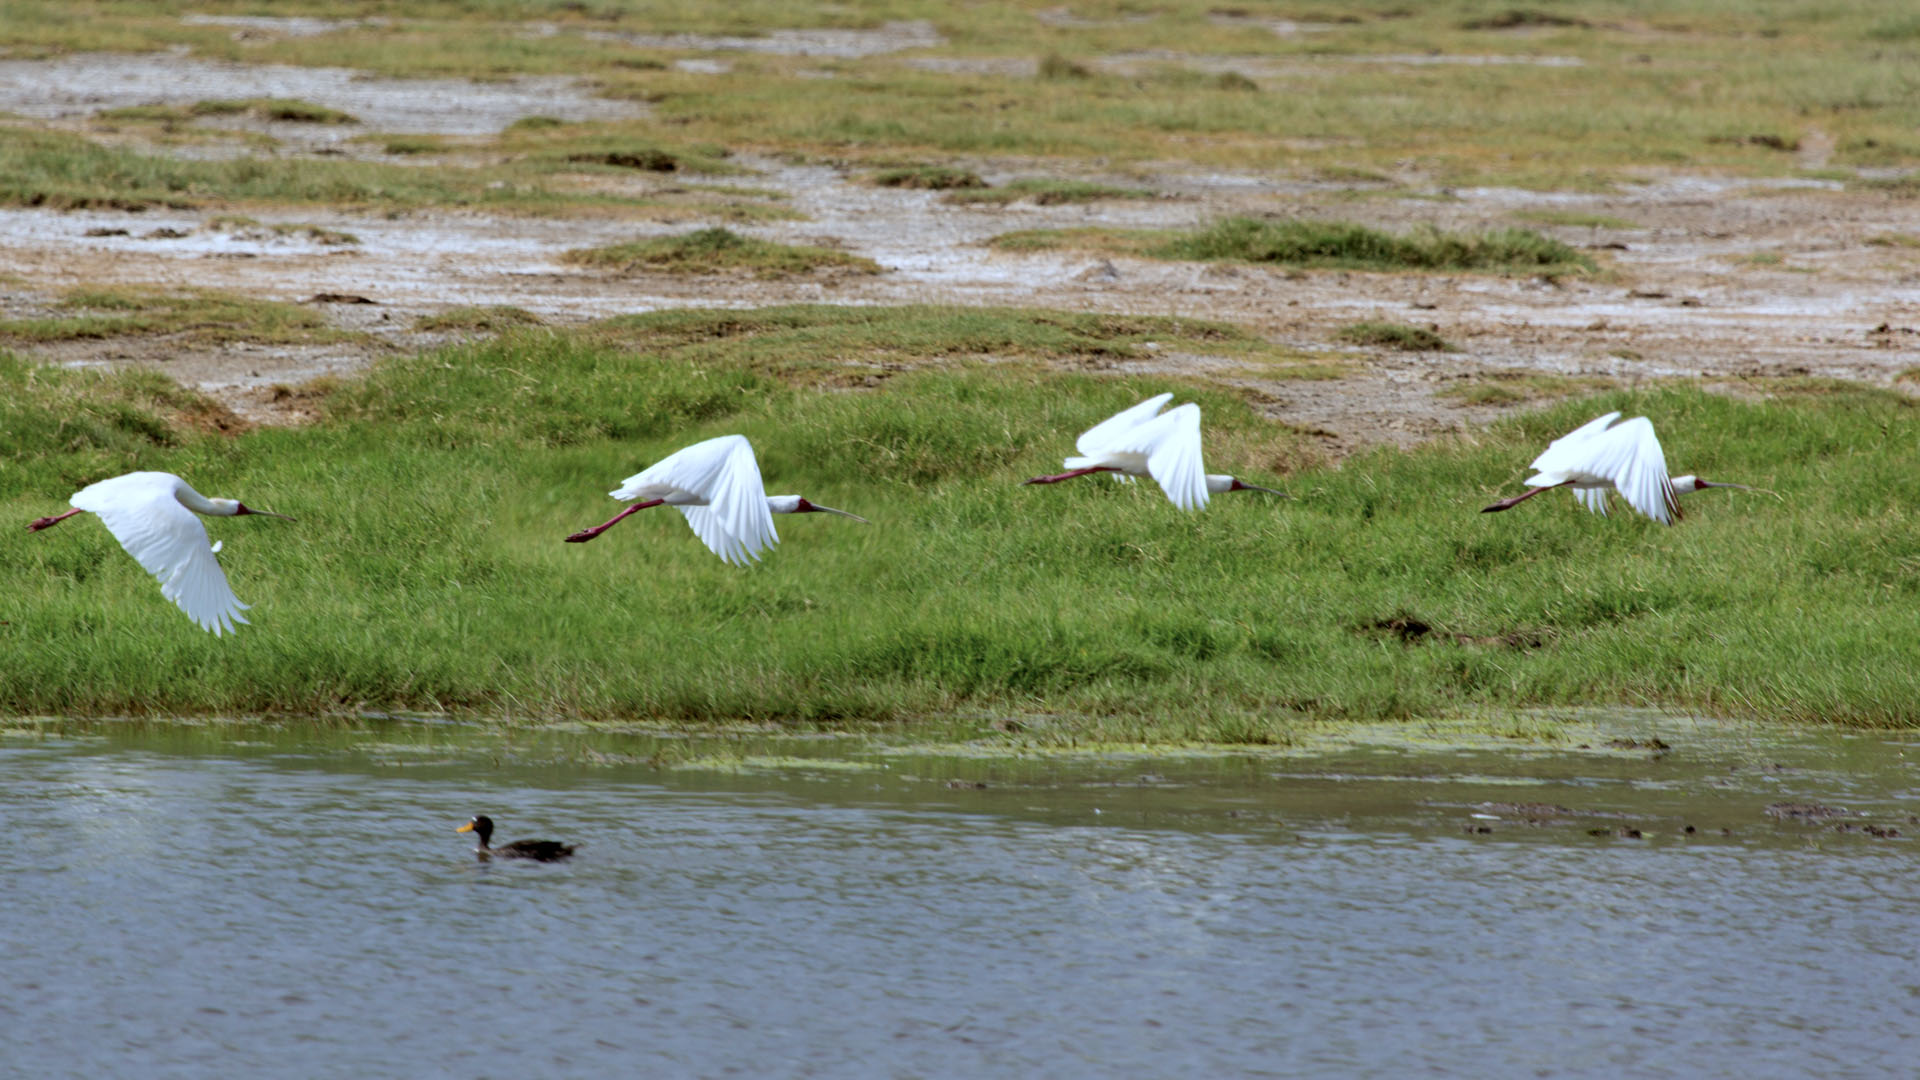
(1566, 453)
(1119, 427)
(736, 523)
(1169, 444)
(1594, 499)
(1174, 460)
(1629, 457)
(169, 541)
(690, 470)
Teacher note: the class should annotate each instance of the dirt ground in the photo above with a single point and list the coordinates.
(1721, 278)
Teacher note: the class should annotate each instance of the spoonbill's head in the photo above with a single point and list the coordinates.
(1217, 484)
(481, 826)
(1689, 482)
(796, 504)
(234, 508)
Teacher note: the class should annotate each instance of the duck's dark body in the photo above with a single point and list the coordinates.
(537, 850)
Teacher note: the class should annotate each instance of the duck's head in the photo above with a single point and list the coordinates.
(481, 826)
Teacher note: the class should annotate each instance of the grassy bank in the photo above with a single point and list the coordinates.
(426, 570)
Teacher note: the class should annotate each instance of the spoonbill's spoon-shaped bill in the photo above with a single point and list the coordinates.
(1143, 441)
(1602, 456)
(152, 515)
(716, 485)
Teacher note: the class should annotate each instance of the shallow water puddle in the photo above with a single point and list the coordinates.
(210, 899)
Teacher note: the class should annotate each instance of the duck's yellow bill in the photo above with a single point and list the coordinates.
(468, 827)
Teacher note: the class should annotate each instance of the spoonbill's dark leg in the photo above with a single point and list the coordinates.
(1070, 475)
(585, 535)
(49, 522)
(1508, 504)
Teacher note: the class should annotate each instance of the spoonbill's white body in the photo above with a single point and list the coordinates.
(1602, 456)
(716, 485)
(1143, 441)
(152, 515)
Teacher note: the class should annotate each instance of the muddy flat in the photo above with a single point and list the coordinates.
(1722, 278)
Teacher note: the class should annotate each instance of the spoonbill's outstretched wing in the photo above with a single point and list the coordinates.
(1168, 446)
(1626, 455)
(168, 540)
(720, 473)
(1109, 433)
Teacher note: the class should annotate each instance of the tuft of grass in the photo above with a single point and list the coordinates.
(1349, 246)
(1525, 18)
(408, 145)
(1394, 336)
(1322, 245)
(433, 493)
(927, 177)
(1581, 219)
(1054, 67)
(1517, 387)
(716, 251)
(646, 159)
(245, 227)
(289, 110)
(493, 319)
(1046, 191)
(201, 315)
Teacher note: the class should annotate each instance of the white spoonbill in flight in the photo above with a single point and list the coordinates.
(1602, 456)
(151, 514)
(716, 484)
(1143, 441)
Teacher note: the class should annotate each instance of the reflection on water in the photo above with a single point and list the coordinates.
(245, 901)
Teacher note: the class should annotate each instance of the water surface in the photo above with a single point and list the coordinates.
(240, 900)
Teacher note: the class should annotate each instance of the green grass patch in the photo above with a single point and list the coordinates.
(426, 569)
(58, 170)
(289, 110)
(927, 177)
(718, 251)
(1384, 335)
(1321, 245)
(1625, 91)
(408, 145)
(1577, 219)
(1520, 387)
(245, 227)
(200, 315)
(1045, 191)
(492, 319)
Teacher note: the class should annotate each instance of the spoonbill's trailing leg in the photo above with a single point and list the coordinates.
(49, 522)
(1071, 475)
(585, 535)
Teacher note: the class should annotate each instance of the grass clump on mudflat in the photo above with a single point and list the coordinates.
(1394, 336)
(1045, 191)
(1333, 245)
(928, 177)
(718, 251)
(491, 319)
(201, 315)
(427, 571)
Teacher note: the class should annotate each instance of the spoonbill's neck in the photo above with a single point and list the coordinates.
(200, 504)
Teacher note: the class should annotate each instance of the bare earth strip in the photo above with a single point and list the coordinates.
(1718, 278)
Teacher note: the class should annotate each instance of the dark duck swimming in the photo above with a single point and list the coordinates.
(537, 850)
